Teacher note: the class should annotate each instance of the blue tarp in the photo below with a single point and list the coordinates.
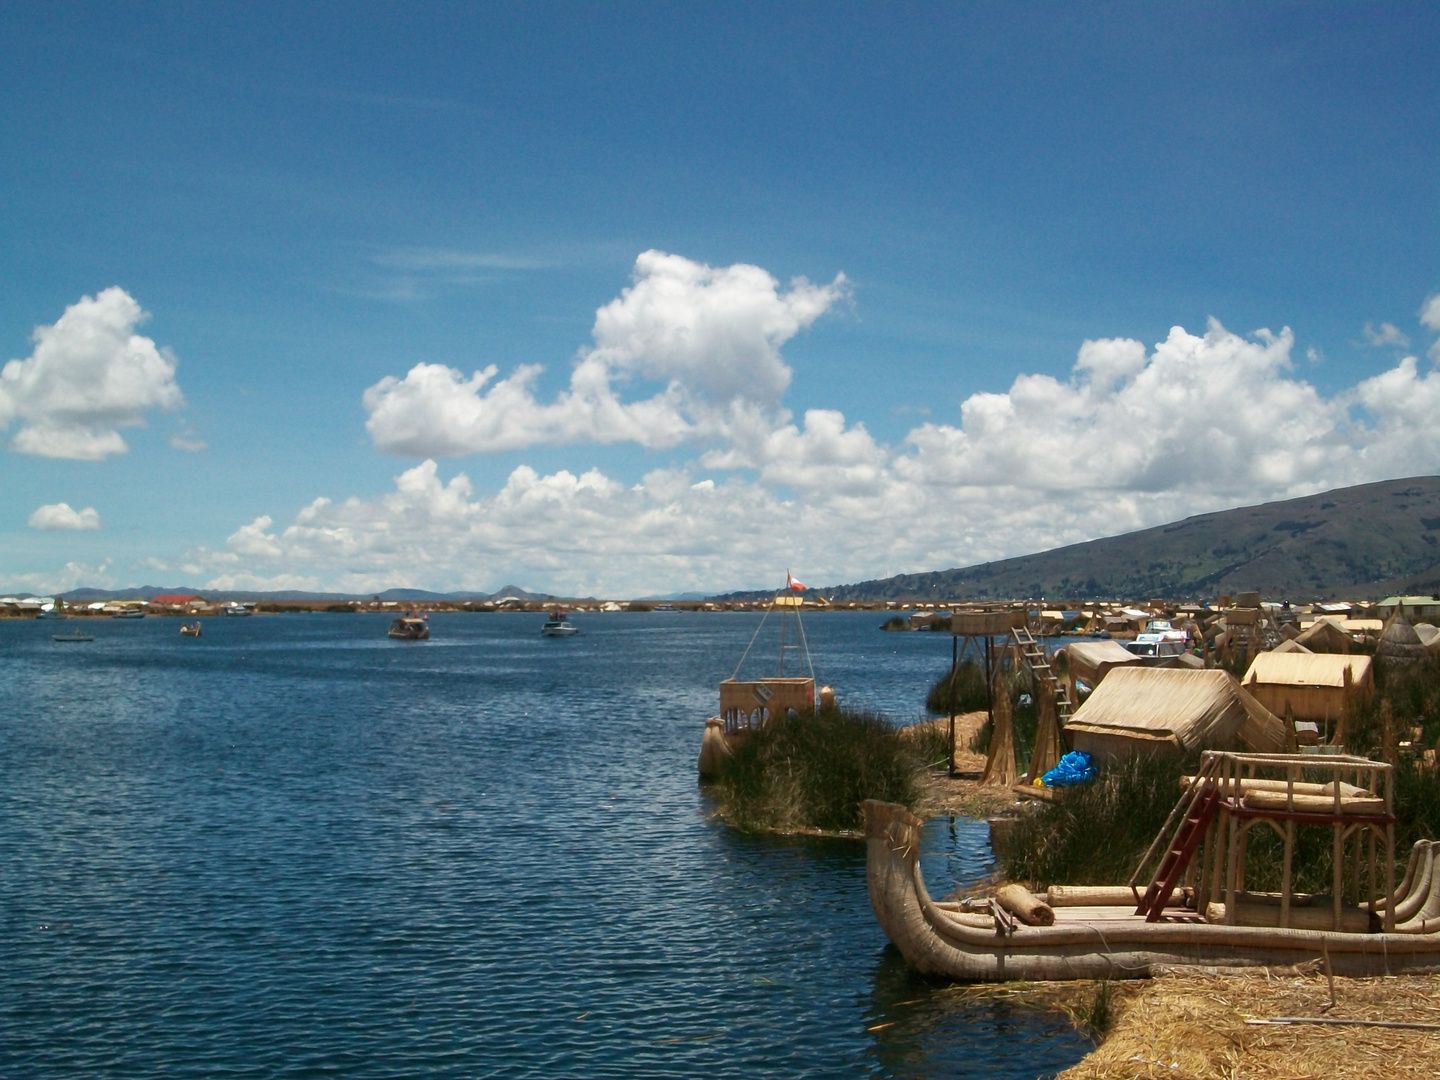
(1074, 768)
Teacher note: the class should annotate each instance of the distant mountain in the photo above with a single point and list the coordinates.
(1363, 542)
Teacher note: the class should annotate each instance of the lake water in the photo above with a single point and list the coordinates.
(294, 848)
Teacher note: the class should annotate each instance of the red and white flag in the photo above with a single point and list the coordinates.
(792, 584)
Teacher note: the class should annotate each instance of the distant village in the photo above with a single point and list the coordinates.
(1272, 621)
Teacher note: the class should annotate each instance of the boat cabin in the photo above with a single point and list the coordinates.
(746, 706)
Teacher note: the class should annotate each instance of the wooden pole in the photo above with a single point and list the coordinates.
(954, 668)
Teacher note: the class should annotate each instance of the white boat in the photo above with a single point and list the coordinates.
(72, 636)
(1158, 641)
(130, 613)
(558, 625)
(238, 610)
(190, 629)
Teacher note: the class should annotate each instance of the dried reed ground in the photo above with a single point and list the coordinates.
(1192, 1025)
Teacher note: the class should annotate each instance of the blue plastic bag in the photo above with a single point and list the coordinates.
(1074, 768)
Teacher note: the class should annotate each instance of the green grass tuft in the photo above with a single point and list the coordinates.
(812, 772)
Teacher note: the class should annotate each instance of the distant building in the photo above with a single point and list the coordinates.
(176, 600)
(1417, 608)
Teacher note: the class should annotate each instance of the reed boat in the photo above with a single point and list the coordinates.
(1193, 911)
(747, 706)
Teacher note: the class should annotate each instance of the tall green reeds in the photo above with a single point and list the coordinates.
(812, 772)
(1095, 833)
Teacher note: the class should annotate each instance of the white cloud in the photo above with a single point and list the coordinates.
(72, 576)
(1430, 317)
(188, 442)
(1387, 334)
(711, 336)
(1133, 437)
(60, 516)
(90, 374)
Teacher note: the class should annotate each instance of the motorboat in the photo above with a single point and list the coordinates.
(410, 627)
(1195, 909)
(558, 625)
(72, 636)
(190, 629)
(1159, 641)
(238, 610)
(132, 612)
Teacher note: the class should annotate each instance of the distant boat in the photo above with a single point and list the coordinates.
(558, 625)
(73, 635)
(129, 613)
(664, 607)
(410, 627)
(190, 629)
(238, 609)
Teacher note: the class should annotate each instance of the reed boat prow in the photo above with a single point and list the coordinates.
(1107, 940)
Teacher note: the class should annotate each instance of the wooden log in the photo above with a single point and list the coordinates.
(1250, 911)
(1025, 905)
(1106, 896)
(1314, 804)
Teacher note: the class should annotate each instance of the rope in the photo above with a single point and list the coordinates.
(736, 673)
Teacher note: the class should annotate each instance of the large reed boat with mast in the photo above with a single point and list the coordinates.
(747, 706)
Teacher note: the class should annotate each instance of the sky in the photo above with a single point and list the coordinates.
(630, 299)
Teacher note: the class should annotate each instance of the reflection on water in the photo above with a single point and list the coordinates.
(293, 847)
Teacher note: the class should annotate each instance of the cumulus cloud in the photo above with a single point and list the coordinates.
(711, 336)
(1134, 436)
(1386, 334)
(89, 375)
(1430, 317)
(60, 516)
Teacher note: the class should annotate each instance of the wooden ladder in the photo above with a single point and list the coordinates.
(1195, 808)
(1033, 653)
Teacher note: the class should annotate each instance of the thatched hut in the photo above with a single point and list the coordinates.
(1325, 635)
(1088, 661)
(1172, 710)
(1314, 686)
(1429, 637)
(1399, 644)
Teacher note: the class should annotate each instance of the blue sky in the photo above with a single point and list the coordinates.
(309, 202)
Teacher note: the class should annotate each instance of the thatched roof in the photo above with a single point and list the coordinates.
(1092, 655)
(1307, 669)
(1142, 707)
(1326, 636)
(1399, 643)
(1291, 646)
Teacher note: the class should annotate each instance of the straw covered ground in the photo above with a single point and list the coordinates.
(1192, 1024)
(944, 795)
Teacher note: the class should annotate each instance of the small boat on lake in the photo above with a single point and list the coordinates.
(190, 629)
(1195, 910)
(558, 625)
(72, 636)
(129, 613)
(410, 627)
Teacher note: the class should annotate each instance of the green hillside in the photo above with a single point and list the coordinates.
(1358, 543)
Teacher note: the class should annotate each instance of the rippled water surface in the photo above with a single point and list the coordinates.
(294, 848)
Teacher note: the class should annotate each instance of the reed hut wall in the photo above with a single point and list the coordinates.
(1310, 686)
